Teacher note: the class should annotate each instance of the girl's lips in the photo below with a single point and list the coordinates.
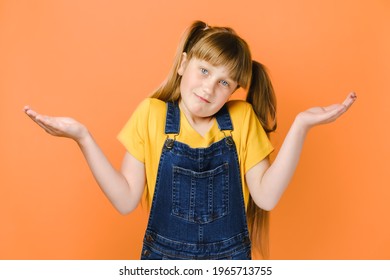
(202, 99)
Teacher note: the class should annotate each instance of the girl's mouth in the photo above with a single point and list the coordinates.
(202, 99)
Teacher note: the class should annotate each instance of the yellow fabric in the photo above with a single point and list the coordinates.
(143, 137)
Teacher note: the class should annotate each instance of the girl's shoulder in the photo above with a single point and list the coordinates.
(150, 108)
(153, 104)
(239, 109)
(149, 111)
(238, 104)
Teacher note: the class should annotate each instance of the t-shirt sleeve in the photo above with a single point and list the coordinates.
(257, 144)
(133, 134)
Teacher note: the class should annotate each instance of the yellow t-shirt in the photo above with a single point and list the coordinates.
(144, 135)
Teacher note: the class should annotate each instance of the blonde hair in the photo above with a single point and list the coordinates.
(222, 46)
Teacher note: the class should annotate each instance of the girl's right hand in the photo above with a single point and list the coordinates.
(123, 188)
(59, 126)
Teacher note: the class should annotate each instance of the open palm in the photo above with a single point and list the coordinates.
(58, 126)
(322, 115)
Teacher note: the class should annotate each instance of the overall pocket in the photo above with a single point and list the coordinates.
(200, 197)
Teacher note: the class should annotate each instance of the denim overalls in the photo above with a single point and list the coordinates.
(198, 208)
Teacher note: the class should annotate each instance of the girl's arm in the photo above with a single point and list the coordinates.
(123, 188)
(267, 182)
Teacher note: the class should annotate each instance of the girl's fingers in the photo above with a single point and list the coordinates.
(350, 99)
(45, 126)
(333, 107)
(334, 113)
(339, 109)
(30, 113)
(39, 119)
(43, 121)
(49, 122)
(41, 124)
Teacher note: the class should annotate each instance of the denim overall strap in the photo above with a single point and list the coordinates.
(198, 209)
(172, 123)
(223, 119)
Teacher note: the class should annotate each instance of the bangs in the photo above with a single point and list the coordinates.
(228, 50)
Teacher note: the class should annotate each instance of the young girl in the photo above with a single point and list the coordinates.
(203, 158)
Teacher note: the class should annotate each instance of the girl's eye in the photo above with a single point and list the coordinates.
(204, 71)
(224, 83)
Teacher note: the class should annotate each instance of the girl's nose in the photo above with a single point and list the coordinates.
(208, 86)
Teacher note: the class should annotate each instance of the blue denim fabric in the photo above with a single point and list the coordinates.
(198, 208)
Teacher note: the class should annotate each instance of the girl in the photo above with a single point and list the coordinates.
(203, 159)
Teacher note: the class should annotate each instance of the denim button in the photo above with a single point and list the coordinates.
(229, 140)
(169, 143)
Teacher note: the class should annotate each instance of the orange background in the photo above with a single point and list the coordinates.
(96, 60)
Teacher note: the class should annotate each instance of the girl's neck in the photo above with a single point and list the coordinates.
(202, 125)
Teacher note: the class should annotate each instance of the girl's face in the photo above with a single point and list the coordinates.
(204, 88)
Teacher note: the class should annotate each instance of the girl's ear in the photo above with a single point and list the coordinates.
(183, 64)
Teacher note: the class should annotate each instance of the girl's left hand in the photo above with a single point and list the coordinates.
(322, 115)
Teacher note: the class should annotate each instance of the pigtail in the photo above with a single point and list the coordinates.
(258, 225)
(195, 32)
(262, 97)
(169, 89)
